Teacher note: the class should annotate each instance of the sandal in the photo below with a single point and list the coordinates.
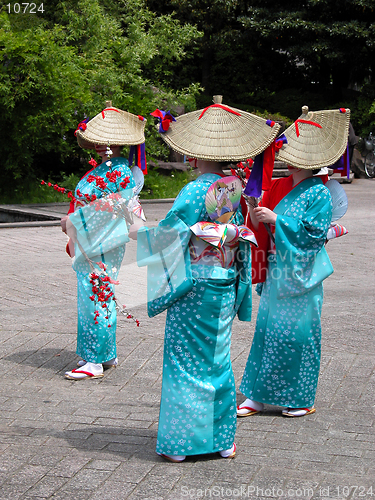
(172, 458)
(88, 370)
(107, 364)
(231, 453)
(246, 408)
(297, 412)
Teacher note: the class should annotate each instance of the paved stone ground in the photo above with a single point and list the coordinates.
(95, 439)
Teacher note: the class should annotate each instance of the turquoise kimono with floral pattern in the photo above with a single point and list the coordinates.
(284, 361)
(202, 293)
(102, 236)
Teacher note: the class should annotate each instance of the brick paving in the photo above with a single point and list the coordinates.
(95, 439)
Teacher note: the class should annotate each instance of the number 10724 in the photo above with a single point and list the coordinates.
(24, 8)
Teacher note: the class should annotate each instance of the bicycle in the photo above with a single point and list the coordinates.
(370, 156)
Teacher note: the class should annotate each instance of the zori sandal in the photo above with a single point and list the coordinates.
(87, 371)
(249, 407)
(112, 363)
(172, 458)
(297, 412)
(231, 453)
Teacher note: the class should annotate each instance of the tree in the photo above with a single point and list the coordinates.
(218, 60)
(58, 68)
(279, 55)
(331, 43)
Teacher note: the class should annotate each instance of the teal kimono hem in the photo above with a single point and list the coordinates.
(198, 404)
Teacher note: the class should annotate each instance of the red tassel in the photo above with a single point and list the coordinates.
(268, 164)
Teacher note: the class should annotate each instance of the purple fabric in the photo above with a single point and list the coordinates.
(254, 184)
(282, 138)
(139, 152)
(165, 118)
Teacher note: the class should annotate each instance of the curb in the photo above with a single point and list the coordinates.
(48, 218)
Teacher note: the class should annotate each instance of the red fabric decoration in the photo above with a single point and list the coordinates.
(165, 124)
(81, 126)
(157, 113)
(278, 189)
(278, 145)
(324, 177)
(165, 119)
(268, 164)
(219, 106)
(305, 121)
(109, 109)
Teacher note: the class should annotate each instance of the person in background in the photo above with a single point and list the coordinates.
(284, 361)
(98, 234)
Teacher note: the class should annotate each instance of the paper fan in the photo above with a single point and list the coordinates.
(136, 208)
(339, 199)
(223, 198)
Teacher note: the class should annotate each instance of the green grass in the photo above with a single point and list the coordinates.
(31, 191)
(165, 185)
(158, 184)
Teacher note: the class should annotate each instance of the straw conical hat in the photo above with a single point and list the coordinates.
(112, 126)
(220, 133)
(317, 139)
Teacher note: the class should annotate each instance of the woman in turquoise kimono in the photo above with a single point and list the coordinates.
(199, 269)
(198, 400)
(98, 226)
(283, 365)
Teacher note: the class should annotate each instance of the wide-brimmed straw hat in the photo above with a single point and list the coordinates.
(111, 126)
(220, 133)
(316, 139)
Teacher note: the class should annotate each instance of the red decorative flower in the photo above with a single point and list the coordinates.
(60, 189)
(102, 294)
(112, 176)
(93, 163)
(125, 182)
(111, 201)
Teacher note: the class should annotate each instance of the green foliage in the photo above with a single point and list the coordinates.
(158, 184)
(330, 43)
(34, 192)
(60, 67)
(253, 50)
(165, 184)
(363, 116)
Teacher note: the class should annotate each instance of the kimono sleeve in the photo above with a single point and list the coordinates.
(99, 230)
(302, 261)
(243, 305)
(165, 249)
